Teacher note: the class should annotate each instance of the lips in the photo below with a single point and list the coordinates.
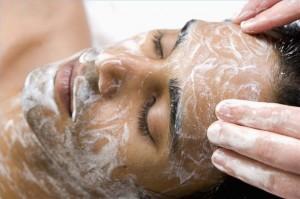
(64, 84)
(82, 64)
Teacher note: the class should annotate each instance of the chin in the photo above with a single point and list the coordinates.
(39, 90)
(41, 111)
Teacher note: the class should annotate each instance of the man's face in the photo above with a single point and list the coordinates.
(137, 112)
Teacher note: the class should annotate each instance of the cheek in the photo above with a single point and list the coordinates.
(110, 115)
(146, 165)
(101, 124)
(99, 141)
(100, 133)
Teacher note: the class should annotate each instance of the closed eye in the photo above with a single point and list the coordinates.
(143, 115)
(157, 36)
(166, 41)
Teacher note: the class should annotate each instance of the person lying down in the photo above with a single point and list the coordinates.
(130, 121)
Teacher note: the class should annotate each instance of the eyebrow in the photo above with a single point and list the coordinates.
(175, 121)
(183, 33)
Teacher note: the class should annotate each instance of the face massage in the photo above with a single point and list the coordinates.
(209, 110)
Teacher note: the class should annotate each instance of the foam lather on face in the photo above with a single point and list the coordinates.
(67, 142)
(41, 92)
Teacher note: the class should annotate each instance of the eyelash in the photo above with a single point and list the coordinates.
(142, 119)
(157, 36)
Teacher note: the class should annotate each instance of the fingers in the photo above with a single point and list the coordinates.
(269, 148)
(261, 144)
(281, 13)
(272, 117)
(252, 8)
(264, 177)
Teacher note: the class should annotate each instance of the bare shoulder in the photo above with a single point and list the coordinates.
(34, 33)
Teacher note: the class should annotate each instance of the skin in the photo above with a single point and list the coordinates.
(259, 16)
(215, 61)
(27, 42)
(19, 146)
(269, 155)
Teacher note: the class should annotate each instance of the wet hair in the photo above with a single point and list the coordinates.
(288, 78)
(286, 91)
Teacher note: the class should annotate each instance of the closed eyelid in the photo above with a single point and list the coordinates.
(179, 39)
(158, 49)
(183, 33)
(165, 41)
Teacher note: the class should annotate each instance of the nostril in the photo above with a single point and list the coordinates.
(108, 86)
(111, 77)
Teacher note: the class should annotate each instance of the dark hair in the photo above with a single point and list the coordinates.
(286, 91)
(288, 77)
(232, 188)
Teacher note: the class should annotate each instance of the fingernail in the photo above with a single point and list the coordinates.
(236, 15)
(213, 132)
(243, 15)
(248, 25)
(226, 108)
(218, 159)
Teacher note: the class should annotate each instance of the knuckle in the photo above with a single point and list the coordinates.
(263, 149)
(279, 118)
(271, 183)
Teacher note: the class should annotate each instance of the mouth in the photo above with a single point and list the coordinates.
(64, 81)
(75, 80)
(67, 90)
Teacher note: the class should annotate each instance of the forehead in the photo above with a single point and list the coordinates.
(219, 52)
(222, 42)
(217, 61)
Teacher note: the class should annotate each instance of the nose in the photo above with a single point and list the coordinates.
(112, 73)
(135, 73)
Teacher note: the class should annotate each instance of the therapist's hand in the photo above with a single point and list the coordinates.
(259, 144)
(262, 15)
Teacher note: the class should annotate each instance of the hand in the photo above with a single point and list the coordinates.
(259, 16)
(260, 145)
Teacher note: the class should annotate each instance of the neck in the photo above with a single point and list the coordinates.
(25, 169)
